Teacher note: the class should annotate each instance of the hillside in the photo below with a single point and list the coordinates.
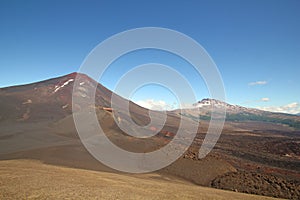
(254, 154)
(27, 179)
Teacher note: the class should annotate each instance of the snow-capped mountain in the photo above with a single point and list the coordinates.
(208, 103)
(202, 110)
(52, 99)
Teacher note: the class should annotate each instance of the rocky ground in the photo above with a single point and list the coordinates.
(261, 184)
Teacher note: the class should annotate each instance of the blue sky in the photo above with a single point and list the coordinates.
(255, 44)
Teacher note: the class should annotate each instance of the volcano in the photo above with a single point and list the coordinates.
(51, 99)
(258, 151)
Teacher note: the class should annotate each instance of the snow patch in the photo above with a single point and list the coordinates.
(57, 87)
(82, 89)
(67, 82)
(29, 101)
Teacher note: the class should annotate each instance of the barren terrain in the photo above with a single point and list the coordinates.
(41, 155)
(28, 179)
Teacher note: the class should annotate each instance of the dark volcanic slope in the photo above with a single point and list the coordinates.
(50, 99)
(36, 122)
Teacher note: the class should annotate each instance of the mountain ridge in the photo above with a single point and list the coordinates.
(199, 104)
(36, 122)
(52, 99)
(54, 95)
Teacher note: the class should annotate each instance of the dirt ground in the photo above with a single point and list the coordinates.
(29, 179)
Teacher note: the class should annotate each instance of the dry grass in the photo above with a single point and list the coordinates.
(28, 179)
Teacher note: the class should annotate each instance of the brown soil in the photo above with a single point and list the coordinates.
(27, 179)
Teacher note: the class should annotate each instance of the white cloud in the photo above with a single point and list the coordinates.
(258, 83)
(155, 104)
(265, 99)
(292, 108)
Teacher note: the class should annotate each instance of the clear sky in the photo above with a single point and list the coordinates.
(255, 44)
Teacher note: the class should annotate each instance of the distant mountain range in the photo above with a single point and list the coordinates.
(36, 122)
(202, 111)
(52, 99)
